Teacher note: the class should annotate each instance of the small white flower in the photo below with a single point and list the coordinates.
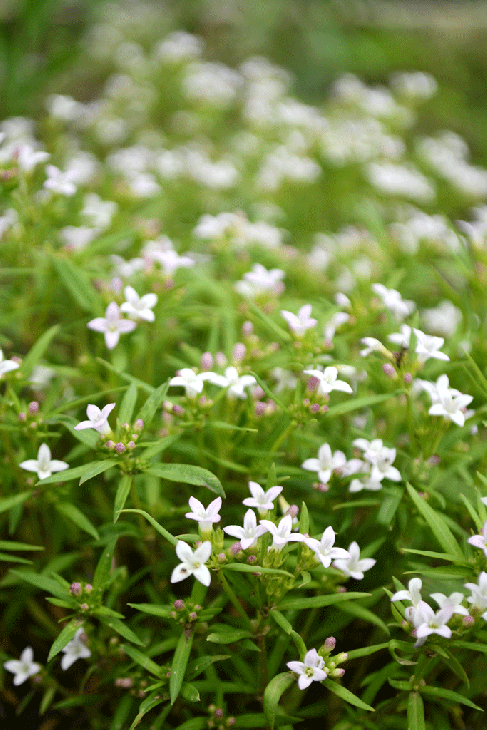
(192, 563)
(328, 380)
(232, 380)
(260, 281)
(428, 346)
(74, 649)
(191, 381)
(7, 366)
(480, 541)
(28, 157)
(452, 407)
(139, 306)
(334, 323)
(373, 345)
(324, 550)
(170, 261)
(479, 591)
(413, 593)
(325, 463)
(24, 667)
(263, 501)
(59, 182)
(452, 602)
(352, 565)
(393, 301)
(365, 482)
(44, 465)
(205, 517)
(282, 533)
(111, 325)
(427, 622)
(301, 322)
(309, 670)
(249, 533)
(98, 419)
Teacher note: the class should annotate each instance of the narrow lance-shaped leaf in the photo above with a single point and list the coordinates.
(437, 524)
(75, 515)
(153, 403)
(188, 474)
(179, 664)
(103, 568)
(415, 711)
(123, 490)
(36, 351)
(346, 695)
(128, 404)
(64, 638)
(273, 693)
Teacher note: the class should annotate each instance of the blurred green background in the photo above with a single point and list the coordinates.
(42, 41)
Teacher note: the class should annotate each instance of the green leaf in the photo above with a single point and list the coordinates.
(433, 554)
(245, 568)
(47, 699)
(162, 611)
(12, 545)
(346, 695)
(448, 694)
(96, 469)
(360, 612)
(147, 705)
(357, 404)
(273, 693)
(85, 472)
(77, 284)
(179, 664)
(161, 530)
(258, 720)
(303, 519)
(153, 403)
(318, 601)
(117, 625)
(286, 626)
(73, 513)
(104, 565)
(157, 446)
(189, 692)
(128, 404)
(43, 582)
(8, 502)
(123, 490)
(196, 723)
(36, 351)
(7, 558)
(437, 524)
(269, 393)
(64, 638)
(197, 666)
(229, 636)
(367, 650)
(415, 712)
(144, 661)
(188, 474)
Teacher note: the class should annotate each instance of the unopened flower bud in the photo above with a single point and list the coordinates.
(110, 444)
(315, 408)
(221, 557)
(178, 604)
(131, 445)
(218, 712)
(330, 643)
(408, 378)
(220, 359)
(88, 587)
(247, 328)
(120, 448)
(125, 682)
(139, 425)
(258, 392)
(313, 383)
(260, 408)
(75, 589)
(293, 510)
(337, 672)
(251, 559)
(342, 657)
(193, 616)
(468, 621)
(389, 370)
(33, 407)
(236, 548)
(22, 416)
(238, 352)
(84, 606)
(206, 361)
(177, 409)
(231, 721)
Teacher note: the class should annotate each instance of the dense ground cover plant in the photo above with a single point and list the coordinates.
(242, 401)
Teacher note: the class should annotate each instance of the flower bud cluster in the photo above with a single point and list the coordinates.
(30, 418)
(218, 720)
(332, 663)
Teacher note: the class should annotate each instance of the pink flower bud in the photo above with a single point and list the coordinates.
(468, 621)
(389, 370)
(110, 444)
(247, 329)
(120, 448)
(33, 407)
(236, 548)
(220, 359)
(139, 425)
(206, 361)
(238, 352)
(22, 416)
(178, 604)
(315, 408)
(131, 445)
(313, 383)
(408, 378)
(75, 589)
(293, 510)
(330, 643)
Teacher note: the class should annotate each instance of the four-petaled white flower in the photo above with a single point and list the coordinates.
(328, 380)
(282, 533)
(452, 602)
(112, 325)
(309, 670)
(60, 182)
(232, 380)
(260, 281)
(301, 322)
(24, 667)
(7, 365)
(324, 550)
(325, 463)
(205, 517)
(427, 622)
(192, 563)
(480, 541)
(393, 301)
(479, 592)
(428, 346)
(373, 345)
(263, 501)
(44, 465)
(191, 381)
(352, 565)
(98, 419)
(413, 592)
(452, 407)
(136, 306)
(74, 649)
(249, 533)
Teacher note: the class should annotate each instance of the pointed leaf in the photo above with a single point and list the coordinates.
(415, 712)
(36, 351)
(123, 490)
(273, 693)
(179, 664)
(153, 403)
(346, 695)
(448, 694)
(73, 513)
(188, 474)
(144, 661)
(77, 284)
(43, 582)
(161, 530)
(104, 565)
(128, 404)
(162, 611)
(8, 502)
(437, 524)
(64, 638)
(318, 601)
(121, 628)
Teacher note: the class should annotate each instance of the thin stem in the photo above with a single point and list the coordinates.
(233, 598)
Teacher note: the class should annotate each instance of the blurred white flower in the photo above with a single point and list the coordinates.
(74, 650)
(44, 466)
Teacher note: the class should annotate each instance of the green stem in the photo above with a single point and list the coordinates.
(233, 598)
(282, 437)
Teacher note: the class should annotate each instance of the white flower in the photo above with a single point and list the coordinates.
(310, 670)
(413, 593)
(401, 338)
(365, 482)
(480, 541)
(191, 381)
(301, 322)
(393, 301)
(328, 380)
(452, 602)
(282, 533)
(260, 281)
(111, 325)
(59, 182)
(249, 533)
(170, 261)
(285, 379)
(427, 622)
(352, 565)
(205, 517)
(479, 592)
(139, 306)
(325, 463)
(98, 419)
(232, 380)
(428, 346)
(380, 458)
(332, 325)
(192, 563)
(74, 649)
(452, 407)
(373, 345)
(23, 667)
(44, 465)
(7, 365)
(28, 157)
(324, 550)
(263, 501)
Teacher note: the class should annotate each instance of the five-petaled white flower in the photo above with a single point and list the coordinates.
(7, 365)
(191, 381)
(249, 533)
(282, 533)
(232, 380)
(44, 465)
(325, 463)
(427, 622)
(98, 419)
(24, 667)
(74, 649)
(309, 670)
(324, 550)
(480, 541)
(112, 325)
(263, 501)
(352, 565)
(328, 380)
(192, 563)
(393, 301)
(136, 306)
(205, 517)
(301, 322)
